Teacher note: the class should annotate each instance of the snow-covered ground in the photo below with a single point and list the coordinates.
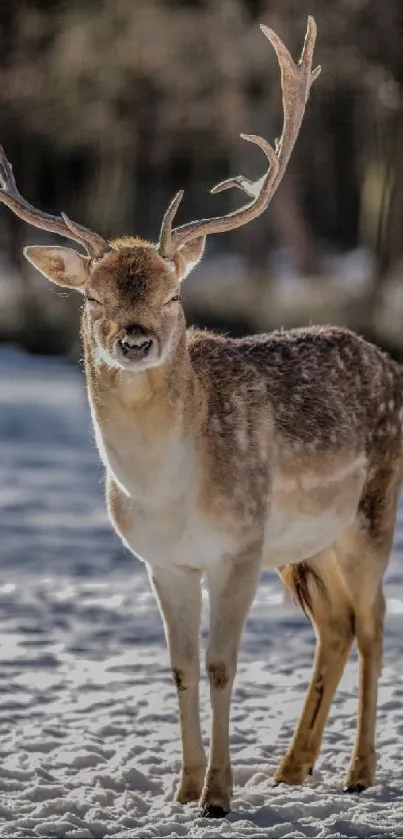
(88, 724)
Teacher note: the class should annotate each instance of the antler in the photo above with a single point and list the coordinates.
(296, 81)
(94, 244)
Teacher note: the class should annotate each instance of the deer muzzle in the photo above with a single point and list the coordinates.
(135, 345)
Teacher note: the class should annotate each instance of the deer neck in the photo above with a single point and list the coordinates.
(166, 385)
(141, 419)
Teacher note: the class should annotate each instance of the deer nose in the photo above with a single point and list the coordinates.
(136, 343)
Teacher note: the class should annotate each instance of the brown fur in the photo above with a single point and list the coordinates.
(305, 424)
(224, 456)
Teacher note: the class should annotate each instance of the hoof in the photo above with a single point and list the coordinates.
(213, 811)
(190, 785)
(355, 788)
(187, 796)
(290, 780)
(293, 772)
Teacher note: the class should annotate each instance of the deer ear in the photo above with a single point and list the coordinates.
(63, 266)
(188, 256)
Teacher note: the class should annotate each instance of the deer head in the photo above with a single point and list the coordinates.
(131, 287)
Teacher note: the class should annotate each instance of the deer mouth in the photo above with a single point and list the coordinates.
(137, 351)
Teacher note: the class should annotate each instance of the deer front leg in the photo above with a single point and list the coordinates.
(232, 586)
(178, 594)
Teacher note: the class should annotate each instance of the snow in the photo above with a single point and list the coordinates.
(89, 739)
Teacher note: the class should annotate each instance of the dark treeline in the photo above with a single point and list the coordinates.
(107, 107)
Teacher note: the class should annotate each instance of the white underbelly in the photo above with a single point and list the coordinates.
(300, 537)
(308, 515)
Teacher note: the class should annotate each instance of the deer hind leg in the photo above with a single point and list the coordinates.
(232, 585)
(318, 586)
(369, 631)
(178, 594)
(362, 555)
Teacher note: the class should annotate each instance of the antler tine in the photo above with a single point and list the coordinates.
(252, 188)
(94, 244)
(6, 173)
(167, 220)
(296, 82)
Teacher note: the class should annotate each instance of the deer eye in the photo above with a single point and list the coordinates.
(175, 298)
(92, 300)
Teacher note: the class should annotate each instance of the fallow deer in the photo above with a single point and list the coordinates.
(225, 456)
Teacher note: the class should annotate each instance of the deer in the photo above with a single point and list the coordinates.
(224, 456)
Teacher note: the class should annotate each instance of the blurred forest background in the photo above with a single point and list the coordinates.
(108, 107)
